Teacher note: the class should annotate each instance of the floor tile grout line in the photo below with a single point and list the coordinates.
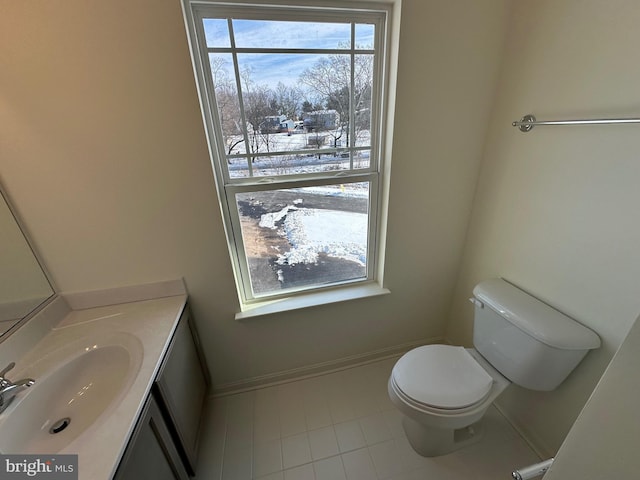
(304, 464)
(339, 454)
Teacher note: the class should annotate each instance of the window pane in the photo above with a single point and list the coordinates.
(216, 31)
(305, 236)
(227, 102)
(278, 34)
(365, 36)
(363, 136)
(362, 159)
(363, 82)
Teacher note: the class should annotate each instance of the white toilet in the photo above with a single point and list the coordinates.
(444, 391)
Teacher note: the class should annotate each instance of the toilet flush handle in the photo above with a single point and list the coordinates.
(476, 302)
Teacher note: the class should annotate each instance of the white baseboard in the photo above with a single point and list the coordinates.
(318, 369)
(534, 445)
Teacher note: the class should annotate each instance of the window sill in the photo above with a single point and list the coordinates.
(312, 300)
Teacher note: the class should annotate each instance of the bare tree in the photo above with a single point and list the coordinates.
(330, 79)
(287, 99)
(257, 106)
(227, 102)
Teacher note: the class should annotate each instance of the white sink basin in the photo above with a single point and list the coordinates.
(76, 387)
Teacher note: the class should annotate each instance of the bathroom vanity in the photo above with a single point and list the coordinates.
(122, 371)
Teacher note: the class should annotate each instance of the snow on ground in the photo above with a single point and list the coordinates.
(283, 142)
(269, 220)
(349, 190)
(311, 231)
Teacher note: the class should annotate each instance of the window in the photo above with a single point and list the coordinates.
(294, 102)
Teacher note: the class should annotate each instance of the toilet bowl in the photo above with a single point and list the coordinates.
(443, 392)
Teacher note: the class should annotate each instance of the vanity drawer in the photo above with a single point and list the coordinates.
(181, 388)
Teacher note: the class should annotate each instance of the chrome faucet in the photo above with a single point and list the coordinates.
(9, 389)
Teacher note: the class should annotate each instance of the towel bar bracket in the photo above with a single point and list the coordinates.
(526, 123)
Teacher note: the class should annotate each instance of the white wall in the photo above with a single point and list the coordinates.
(104, 154)
(556, 209)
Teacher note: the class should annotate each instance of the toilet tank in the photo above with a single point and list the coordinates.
(529, 342)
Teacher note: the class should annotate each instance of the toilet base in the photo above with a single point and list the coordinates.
(432, 442)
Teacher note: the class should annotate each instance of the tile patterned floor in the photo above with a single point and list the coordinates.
(339, 426)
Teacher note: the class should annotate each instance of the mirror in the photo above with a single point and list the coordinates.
(23, 283)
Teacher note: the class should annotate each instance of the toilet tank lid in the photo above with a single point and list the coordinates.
(534, 317)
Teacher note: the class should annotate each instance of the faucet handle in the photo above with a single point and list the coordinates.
(6, 369)
(24, 382)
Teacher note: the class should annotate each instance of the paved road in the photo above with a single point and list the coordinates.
(259, 203)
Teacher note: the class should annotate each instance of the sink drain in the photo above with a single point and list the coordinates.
(60, 425)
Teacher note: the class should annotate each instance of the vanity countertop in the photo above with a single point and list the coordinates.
(152, 322)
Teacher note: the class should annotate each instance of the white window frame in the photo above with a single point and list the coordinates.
(377, 174)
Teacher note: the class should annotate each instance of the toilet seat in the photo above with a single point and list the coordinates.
(441, 378)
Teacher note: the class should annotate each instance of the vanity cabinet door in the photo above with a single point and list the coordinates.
(151, 454)
(181, 388)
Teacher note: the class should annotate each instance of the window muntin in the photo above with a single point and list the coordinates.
(327, 149)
